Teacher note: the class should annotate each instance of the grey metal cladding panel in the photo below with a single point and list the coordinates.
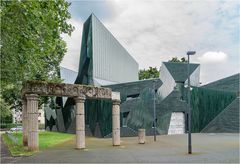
(230, 83)
(179, 70)
(194, 77)
(168, 83)
(227, 121)
(136, 87)
(171, 103)
(129, 105)
(68, 76)
(110, 60)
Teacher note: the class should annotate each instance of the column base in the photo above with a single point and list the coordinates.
(80, 148)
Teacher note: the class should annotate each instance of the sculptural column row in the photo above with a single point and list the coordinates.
(30, 121)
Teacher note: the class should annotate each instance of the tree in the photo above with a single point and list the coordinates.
(176, 60)
(31, 43)
(5, 109)
(149, 73)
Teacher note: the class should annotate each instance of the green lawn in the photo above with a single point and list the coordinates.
(46, 140)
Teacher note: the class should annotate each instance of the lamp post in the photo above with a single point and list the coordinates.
(189, 106)
(154, 109)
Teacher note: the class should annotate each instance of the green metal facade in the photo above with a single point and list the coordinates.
(102, 62)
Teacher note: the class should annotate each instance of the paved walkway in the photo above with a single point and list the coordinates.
(206, 148)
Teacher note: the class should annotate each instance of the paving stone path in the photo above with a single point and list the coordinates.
(207, 148)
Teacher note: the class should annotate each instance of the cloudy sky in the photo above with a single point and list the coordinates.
(153, 31)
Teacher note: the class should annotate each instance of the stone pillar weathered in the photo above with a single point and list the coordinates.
(141, 136)
(24, 122)
(116, 118)
(32, 111)
(80, 122)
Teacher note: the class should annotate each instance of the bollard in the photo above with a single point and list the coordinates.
(141, 136)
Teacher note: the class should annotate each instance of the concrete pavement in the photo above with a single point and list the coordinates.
(220, 148)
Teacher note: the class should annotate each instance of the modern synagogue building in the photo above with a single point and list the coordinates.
(104, 62)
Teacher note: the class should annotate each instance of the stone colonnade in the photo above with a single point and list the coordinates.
(30, 121)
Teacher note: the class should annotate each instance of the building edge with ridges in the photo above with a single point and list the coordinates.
(136, 96)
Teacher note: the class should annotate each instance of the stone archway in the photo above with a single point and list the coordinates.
(32, 90)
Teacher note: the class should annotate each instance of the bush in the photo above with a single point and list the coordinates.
(41, 126)
(9, 126)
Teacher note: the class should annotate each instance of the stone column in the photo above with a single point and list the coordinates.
(116, 118)
(141, 136)
(32, 111)
(24, 122)
(80, 122)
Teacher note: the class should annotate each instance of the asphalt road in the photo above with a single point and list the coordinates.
(207, 148)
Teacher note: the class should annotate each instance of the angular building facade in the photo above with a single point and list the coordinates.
(227, 119)
(104, 62)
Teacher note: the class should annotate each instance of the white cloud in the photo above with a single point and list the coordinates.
(213, 57)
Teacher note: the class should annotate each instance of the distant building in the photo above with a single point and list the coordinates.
(17, 116)
(103, 61)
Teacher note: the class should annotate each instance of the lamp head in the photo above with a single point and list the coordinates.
(191, 52)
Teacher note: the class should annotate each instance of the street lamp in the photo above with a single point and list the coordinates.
(189, 106)
(154, 109)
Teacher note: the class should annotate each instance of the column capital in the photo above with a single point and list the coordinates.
(116, 96)
(80, 99)
(116, 102)
(31, 96)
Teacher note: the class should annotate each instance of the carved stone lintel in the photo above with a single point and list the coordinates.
(68, 90)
